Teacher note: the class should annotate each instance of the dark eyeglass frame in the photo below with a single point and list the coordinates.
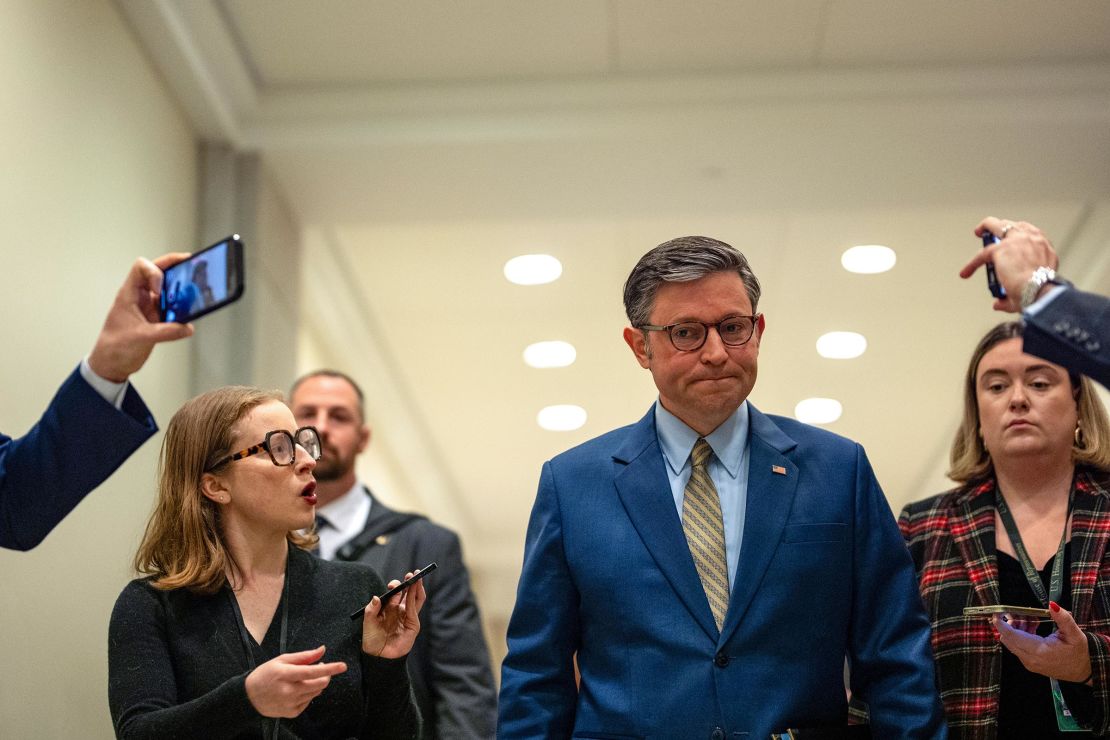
(265, 445)
(669, 328)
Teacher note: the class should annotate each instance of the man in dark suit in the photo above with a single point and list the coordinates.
(711, 567)
(449, 664)
(1062, 324)
(95, 421)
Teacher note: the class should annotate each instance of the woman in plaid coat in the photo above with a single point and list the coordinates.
(1034, 442)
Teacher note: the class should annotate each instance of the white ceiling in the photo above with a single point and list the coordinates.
(422, 144)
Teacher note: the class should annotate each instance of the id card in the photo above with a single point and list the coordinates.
(1064, 719)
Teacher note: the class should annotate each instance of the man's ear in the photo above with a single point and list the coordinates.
(636, 340)
(215, 488)
(760, 327)
(364, 435)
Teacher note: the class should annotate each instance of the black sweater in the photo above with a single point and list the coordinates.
(177, 666)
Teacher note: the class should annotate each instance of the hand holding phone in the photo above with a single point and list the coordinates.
(210, 279)
(400, 587)
(993, 285)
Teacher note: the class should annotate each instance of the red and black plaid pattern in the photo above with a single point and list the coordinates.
(952, 540)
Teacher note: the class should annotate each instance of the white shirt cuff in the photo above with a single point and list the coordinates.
(1038, 305)
(112, 392)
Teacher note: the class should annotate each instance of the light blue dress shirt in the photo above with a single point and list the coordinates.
(728, 468)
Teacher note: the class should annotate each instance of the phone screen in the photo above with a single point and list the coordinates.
(209, 279)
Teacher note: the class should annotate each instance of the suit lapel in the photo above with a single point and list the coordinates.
(645, 492)
(769, 500)
(971, 524)
(1089, 532)
(378, 510)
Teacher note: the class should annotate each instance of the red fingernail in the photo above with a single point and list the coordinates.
(1054, 606)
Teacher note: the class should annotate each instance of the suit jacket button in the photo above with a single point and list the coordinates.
(717, 734)
(1061, 326)
(1093, 346)
(720, 660)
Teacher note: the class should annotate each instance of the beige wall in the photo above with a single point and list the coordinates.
(98, 165)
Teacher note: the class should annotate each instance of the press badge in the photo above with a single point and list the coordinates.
(1064, 720)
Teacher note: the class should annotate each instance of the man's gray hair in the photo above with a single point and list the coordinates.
(682, 260)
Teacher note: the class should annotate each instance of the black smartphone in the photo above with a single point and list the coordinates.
(210, 279)
(993, 285)
(400, 587)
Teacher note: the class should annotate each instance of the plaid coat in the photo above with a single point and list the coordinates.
(951, 539)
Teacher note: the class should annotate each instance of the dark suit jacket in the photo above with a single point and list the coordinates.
(1074, 331)
(79, 441)
(449, 664)
(952, 540)
(823, 574)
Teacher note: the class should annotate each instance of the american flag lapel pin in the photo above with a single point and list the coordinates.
(778, 470)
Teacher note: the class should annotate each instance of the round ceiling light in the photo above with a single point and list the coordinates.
(868, 259)
(549, 354)
(841, 345)
(533, 269)
(561, 418)
(818, 410)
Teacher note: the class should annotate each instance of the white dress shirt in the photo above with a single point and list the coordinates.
(346, 517)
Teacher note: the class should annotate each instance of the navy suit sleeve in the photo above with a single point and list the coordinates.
(538, 691)
(464, 699)
(890, 655)
(1073, 330)
(79, 441)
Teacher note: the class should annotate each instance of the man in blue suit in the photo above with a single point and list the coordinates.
(710, 567)
(95, 421)
(1062, 324)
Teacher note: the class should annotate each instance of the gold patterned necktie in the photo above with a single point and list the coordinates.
(705, 530)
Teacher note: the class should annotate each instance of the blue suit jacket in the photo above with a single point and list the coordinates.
(1074, 331)
(823, 574)
(79, 441)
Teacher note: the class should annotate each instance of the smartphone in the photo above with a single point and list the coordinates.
(1017, 611)
(210, 279)
(993, 285)
(400, 587)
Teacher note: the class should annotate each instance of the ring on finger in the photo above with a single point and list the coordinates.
(1006, 230)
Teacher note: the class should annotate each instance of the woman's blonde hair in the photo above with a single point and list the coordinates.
(969, 458)
(183, 546)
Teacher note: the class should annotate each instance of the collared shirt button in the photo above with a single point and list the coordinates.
(720, 660)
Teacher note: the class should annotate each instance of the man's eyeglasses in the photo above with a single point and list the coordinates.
(281, 446)
(687, 336)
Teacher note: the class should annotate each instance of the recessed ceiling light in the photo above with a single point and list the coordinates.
(818, 410)
(550, 354)
(562, 418)
(841, 345)
(868, 259)
(533, 269)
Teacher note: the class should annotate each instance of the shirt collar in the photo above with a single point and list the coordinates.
(728, 440)
(342, 509)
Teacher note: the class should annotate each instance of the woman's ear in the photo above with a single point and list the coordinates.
(215, 488)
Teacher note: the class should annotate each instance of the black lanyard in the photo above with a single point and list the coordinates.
(245, 636)
(1056, 580)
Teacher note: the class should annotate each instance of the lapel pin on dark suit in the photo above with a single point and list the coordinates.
(778, 470)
